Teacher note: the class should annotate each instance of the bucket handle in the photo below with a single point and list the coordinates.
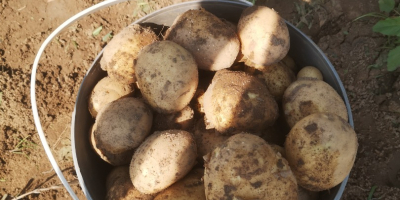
(36, 118)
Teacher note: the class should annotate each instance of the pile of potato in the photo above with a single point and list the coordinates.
(213, 110)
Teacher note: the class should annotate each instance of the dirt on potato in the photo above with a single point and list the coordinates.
(374, 94)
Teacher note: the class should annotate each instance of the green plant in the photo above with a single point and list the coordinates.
(389, 25)
(23, 145)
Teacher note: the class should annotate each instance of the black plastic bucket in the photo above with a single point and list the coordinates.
(92, 171)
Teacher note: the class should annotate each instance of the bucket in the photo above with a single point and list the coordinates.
(90, 169)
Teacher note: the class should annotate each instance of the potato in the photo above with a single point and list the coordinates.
(182, 120)
(289, 62)
(213, 43)
(191, 187)
(321, 149)
(121, 126)
(167, 76)
(307, 96)
(120, 53)
(310, 72)
(278, 149)
(119, 186)
(162, 159)
(106, 91)
(246, 167)
(206, 140)
(264, 36)
(197, 101)
(236, 101)
(277, 77)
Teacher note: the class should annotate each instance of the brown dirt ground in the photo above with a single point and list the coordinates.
(374, 94)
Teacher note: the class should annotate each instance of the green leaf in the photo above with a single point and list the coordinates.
(97, 31)
(371, 193)
(386, 5)
(107, 37)
(393, 61)
(389, 26)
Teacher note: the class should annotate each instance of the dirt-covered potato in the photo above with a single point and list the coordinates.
(106, 91)
(277, 77)
(321, 149)
(236, 101)
(119, 186)
(213, 43)
(246, 167)
(191, 187)
(264, 36)
(121, 126)
(162, 159)
(206, 139)
(307, 96)
(310, 72)
(278, 149)
(167, 76)
(289, 62)
(182, 120)
(120, 53)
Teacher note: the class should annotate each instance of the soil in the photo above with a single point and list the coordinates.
(351, 46)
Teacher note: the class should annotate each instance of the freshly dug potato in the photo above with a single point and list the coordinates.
(278, 149)
(277, 77)
(121, 126)
(197, 101)
(230, 24)
(182, 120)
(120, 53)
(264, 36)
(310, 72)
(246, 167)
(106, 91)
(289, 62)
(321, 149)
(213, 43)
(191, 187)
(167, 76)
(307, 96)
(119, 186)
(307, 195)
(162, 159)
(236, 101)
(206, 139)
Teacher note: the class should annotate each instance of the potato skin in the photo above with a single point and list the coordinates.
(213, 43)
(121, 126)
(264, 42)
(246, 167)
(277, 77)
(206, 139)
(167, 76)
(236, 101)
(120, 53)
(321, 149)
(191, 187)
(106, 91)
(182, 120)
(289, 62)
(310, 72)
(162, 159)
(307, 96)
(120, 187)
